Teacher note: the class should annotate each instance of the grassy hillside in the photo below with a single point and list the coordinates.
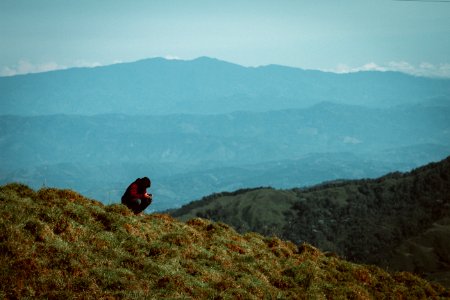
(258, 209)
(56, 244)
(398, 221)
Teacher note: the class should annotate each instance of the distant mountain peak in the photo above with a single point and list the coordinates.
(207, 58)
(203, 85)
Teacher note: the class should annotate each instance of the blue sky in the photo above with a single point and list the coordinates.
(341, 36)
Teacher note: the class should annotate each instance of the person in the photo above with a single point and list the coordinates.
(136, 197)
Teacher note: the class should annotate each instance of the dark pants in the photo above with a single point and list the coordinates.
(136, 205)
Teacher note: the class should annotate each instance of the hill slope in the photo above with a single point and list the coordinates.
(372, 221)
(57, 244)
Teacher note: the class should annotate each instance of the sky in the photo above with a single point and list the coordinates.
(330, 35)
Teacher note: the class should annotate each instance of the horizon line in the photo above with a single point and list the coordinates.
(339, 69)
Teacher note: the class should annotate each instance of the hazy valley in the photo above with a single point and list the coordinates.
(203, 126)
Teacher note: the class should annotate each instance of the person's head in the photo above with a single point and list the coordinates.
(145, 181)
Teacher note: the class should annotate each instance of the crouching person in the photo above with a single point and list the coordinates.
(136, 197)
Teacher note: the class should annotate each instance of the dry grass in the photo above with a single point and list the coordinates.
(56, 244)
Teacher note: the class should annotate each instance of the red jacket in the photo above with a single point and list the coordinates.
(135, 191)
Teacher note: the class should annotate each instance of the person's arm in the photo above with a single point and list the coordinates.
(134, 193)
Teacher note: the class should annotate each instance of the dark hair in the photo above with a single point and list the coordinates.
(145, 181)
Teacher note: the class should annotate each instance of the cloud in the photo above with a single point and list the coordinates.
(343, 68)
(26, 67)
(172, 57)
(423, 69)
(86, 64)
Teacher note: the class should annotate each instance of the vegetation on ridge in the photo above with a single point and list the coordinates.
(373, 221)
(57, 244)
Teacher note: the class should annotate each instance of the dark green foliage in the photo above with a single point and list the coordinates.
(365, 220)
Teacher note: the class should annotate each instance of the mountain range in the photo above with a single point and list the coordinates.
(190, 156)
(203, 126)
(205, 86)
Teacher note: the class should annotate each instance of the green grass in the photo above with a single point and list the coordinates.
(56, 244)
(262, 208)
